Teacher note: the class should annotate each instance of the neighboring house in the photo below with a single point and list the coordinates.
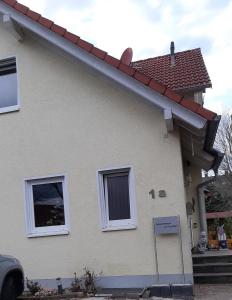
(92, 150)
(183, 72)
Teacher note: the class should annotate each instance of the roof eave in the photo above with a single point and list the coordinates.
(199, 88)
(92, 61)
(212, 127)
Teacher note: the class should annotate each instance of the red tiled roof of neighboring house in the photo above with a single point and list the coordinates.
(129, 70)
(188, 72)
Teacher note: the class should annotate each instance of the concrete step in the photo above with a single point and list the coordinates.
(213, 278)
(213, 267)
(216, 267)
(204, 259)
(211, 274)
(213, 264)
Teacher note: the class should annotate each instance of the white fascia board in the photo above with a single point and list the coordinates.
(168, 119)
(140, 89)
(11, 26)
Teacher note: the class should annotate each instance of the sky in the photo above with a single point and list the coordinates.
(148, 26)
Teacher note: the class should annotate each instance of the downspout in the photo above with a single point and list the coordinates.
(201, 204)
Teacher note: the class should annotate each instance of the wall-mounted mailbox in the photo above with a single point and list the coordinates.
(166, 225)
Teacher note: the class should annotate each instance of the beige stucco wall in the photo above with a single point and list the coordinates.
(72, 122)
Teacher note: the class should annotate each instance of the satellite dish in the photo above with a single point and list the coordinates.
(126, 57)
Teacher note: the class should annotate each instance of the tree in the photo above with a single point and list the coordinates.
(220, 190)
(223, 142)
(219, 194)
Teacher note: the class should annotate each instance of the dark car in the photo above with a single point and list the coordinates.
(11, 278)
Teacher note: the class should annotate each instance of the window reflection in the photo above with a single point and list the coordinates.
(48, 204)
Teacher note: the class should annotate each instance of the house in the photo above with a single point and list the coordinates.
(183, 72)
(94, 150)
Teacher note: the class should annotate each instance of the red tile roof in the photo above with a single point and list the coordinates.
(145, 79)
(189, 71)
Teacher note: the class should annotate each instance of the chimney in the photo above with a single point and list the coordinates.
(172, 52)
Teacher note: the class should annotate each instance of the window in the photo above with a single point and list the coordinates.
(46, 206)
(8, 85)
(117, 199)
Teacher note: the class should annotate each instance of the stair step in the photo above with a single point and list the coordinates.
(221, 264)
(214, 268)
(212, 259)
(211, 274)
(220, 253)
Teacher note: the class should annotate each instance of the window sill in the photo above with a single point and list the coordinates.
(9, 109)
(42, 234)
(117, 228)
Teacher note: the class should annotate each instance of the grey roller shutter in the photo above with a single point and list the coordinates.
(118, 196)
(7, 66)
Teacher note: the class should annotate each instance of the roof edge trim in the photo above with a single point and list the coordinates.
(209, 142)
(92, 61)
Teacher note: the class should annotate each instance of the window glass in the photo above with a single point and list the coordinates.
(8, 90)
(8, 85)
(48, 204)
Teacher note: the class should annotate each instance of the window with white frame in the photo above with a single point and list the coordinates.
(8, 85)
(117, 199)
(46, 206)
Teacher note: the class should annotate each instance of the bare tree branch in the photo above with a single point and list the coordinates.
(223, 142)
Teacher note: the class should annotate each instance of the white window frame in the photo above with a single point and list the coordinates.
(32, 230)
(106, 224)
(18, 105)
